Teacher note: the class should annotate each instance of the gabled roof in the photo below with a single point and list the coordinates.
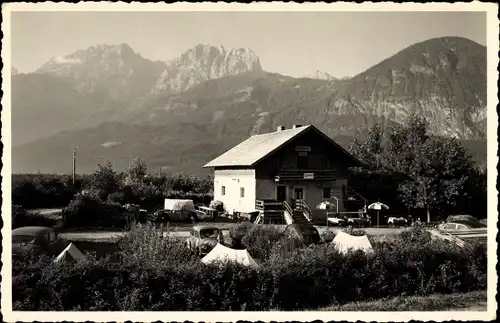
(257, 147)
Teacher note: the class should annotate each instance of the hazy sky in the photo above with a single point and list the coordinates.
(290, 43)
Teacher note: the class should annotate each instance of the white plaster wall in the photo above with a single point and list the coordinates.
(233, 180)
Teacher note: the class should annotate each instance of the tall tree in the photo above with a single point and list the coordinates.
(437, 169)
(136, 171)
(370, 149)
(105, 179)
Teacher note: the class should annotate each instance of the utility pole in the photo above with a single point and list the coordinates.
(74, 165)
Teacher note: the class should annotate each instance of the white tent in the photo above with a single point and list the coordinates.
(71, 253)
(344, 242)
(223, 253)
(179, 205)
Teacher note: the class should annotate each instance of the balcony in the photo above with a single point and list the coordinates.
(306, 175)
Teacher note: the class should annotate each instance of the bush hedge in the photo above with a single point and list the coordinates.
(55, 191)
(89, 210)
(157, 273)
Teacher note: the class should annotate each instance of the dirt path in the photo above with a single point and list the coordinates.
(183, 231)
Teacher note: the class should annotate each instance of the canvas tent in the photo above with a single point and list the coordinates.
(223, 253)
(344, 242)
(70, 253)
(179, 205)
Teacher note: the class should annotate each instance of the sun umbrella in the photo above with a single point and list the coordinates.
(325, 205)
(378, 206)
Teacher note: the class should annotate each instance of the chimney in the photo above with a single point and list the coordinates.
(280, 128)
(295, 126)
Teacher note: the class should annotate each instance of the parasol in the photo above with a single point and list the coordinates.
(378, 206)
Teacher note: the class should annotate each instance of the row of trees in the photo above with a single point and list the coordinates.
(135, 185)
(435, 173)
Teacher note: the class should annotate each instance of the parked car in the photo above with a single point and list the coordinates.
(203, 238)
(397, 221)
(175, 216)
(306, 232)
(461, 226)
(33, 241)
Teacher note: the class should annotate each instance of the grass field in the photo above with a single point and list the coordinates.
(473, 301)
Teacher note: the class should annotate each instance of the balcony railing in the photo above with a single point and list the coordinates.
(304, 175)
(268, 205)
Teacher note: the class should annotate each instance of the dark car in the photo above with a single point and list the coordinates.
(203, 238)
(173, 216)
(33, 241)
(305, 232)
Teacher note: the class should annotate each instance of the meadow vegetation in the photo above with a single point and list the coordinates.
(153, 271)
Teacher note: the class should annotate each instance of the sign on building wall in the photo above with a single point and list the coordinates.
(303, 148)
(308, 175)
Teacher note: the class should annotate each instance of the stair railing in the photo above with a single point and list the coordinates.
(288, 209)
(302, 205)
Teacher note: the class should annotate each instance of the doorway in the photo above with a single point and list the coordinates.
(280, 193)
(298, 193)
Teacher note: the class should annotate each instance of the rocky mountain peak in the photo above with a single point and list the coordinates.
(205, 62)
(114, 70)
(320, 75)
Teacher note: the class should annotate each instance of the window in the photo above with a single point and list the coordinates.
(242, 192)
(223, 190)
(327, 193)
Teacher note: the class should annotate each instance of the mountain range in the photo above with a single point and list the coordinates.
(112, 104)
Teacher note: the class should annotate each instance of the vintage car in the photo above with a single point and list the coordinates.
(33, 241)
(462, 226)
(176, 210)
(305, 232)
(203, 238)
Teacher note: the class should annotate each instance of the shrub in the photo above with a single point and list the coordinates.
(328, 235)
(117, 197)
(285, 246)
(415, 235)
(354, 231)
(237, 232)
(157, 273)
(88, 210)
(146, 245)
(18, 216)
(260, 240)
(41, 191)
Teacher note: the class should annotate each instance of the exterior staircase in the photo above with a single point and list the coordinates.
(274, 212)
(299, 217)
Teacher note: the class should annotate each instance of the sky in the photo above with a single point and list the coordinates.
(290, 43)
